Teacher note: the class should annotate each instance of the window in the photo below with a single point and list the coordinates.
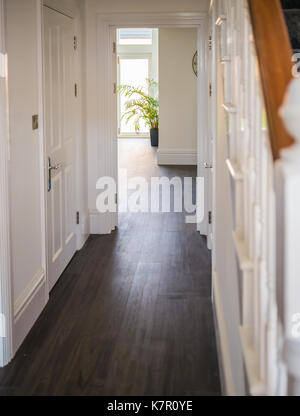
(135, 37)
(132, 72)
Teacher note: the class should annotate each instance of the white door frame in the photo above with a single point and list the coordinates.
(207, 168)
(214, 121)
(5, 265)
(106, 149)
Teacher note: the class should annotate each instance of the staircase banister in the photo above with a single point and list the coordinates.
(274, 54)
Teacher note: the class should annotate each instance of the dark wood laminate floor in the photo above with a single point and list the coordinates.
(131, 315)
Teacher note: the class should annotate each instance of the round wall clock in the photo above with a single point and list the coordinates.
(195, 64)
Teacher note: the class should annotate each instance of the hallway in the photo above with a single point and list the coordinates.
(131, 315)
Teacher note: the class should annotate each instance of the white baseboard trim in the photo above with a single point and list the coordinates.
(225, 360)
(101, 224)
(28, 307)
(177, 157)
(83, 232)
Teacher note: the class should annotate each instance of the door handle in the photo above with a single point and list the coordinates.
(56, 167)
(50, 169)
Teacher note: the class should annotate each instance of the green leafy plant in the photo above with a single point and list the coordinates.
(141, 104)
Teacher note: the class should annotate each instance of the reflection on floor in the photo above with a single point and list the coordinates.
(131, 315)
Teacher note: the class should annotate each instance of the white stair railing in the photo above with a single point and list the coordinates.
(251, 168)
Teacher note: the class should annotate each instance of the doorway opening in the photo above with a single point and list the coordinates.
(157, 77)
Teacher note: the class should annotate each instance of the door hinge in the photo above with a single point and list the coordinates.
(119, 131)
(210, 43)
(75, 43)
(118, 60)
(210, 89)
(77, 218)
(76, 90)
(210, 218)
(116, 199)
(114, 47)
(115, 88)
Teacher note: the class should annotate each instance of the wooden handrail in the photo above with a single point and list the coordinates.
(274, 53)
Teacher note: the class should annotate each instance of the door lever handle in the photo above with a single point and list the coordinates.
(50, 169)
(56, 167)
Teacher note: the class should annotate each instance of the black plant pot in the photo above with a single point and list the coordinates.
(154, 137)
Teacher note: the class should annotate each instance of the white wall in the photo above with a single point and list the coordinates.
(177, 96)
(25, 85)
(26, 166)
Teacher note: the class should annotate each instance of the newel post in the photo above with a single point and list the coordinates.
(288, 238)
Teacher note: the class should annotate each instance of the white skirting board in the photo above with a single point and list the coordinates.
(83, 232)
(225, 360)
(28, 307)
(177, 157)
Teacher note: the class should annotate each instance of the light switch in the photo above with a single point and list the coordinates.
(35, 122)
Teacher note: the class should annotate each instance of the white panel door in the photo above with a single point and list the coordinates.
(60, 142)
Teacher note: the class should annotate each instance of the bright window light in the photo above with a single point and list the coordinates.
(135, 37)
(133, 72)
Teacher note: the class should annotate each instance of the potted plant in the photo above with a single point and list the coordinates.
(143, 105)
